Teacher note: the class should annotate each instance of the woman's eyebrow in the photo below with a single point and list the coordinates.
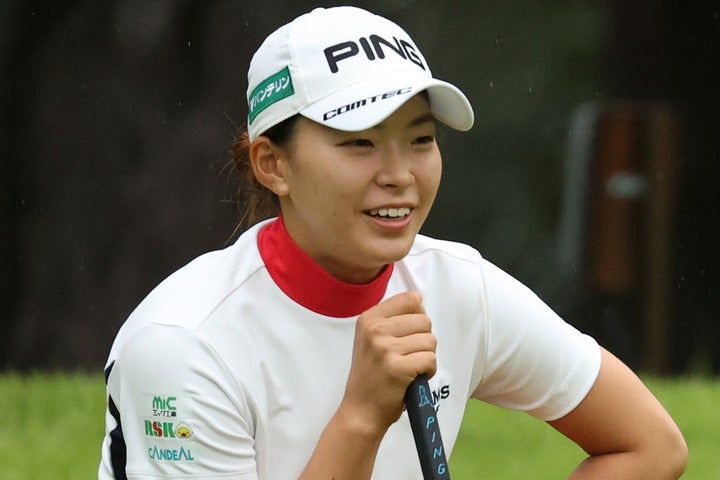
(420, 120)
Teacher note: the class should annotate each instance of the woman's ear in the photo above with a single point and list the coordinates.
(269, 164)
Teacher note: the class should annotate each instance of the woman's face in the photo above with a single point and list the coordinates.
(356, 200)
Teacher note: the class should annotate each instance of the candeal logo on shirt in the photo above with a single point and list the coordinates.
(171, 454)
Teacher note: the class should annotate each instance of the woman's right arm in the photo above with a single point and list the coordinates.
(393, 345)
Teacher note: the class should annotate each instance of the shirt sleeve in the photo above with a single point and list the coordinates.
(180, 410)
(534, 361)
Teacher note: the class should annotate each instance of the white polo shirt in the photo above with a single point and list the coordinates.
(232, 367)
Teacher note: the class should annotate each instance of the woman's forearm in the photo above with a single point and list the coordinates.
(346, 450)
(631, 466)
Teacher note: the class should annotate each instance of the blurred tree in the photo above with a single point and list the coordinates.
(117, 117)
(23, 29)
(667, 52)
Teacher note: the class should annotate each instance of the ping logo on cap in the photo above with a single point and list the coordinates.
(372, 47)
(271, 90)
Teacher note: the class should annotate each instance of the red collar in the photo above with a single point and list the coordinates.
(308, 284)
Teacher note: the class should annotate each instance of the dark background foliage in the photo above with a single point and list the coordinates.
(117, 117)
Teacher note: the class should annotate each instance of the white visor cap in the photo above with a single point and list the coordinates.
(345, 68)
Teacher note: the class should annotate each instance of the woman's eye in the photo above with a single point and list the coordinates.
(424, 139)
(358, 142)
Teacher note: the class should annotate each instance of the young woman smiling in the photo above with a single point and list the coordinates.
(288, 354)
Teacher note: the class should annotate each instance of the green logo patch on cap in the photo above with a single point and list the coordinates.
(271, 90)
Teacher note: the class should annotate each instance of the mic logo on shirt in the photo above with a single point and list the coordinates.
(164, 406)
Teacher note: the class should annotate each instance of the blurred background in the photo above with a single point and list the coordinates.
(590, 173)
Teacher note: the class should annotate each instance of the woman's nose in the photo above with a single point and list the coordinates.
(395, 170)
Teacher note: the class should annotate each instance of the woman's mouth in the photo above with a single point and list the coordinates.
(390, 213)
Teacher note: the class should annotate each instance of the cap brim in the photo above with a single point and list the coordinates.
(369, 102)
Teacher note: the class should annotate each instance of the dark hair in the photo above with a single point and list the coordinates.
(254, 201)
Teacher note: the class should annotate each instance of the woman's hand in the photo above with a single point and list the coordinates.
(393, 345)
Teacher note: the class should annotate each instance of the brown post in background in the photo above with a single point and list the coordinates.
(662, 166)
(617, 185)
(631, 219)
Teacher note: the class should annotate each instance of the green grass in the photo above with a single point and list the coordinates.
(499, 444)
(505, 445)
(52, 425)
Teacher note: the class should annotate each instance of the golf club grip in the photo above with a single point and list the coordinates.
(426, 430)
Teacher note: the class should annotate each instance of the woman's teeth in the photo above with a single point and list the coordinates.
(390, 212)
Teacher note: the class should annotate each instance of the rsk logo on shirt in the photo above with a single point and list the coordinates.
(159, 429)
(167, 429)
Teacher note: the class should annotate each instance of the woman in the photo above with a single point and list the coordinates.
(287, 355)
